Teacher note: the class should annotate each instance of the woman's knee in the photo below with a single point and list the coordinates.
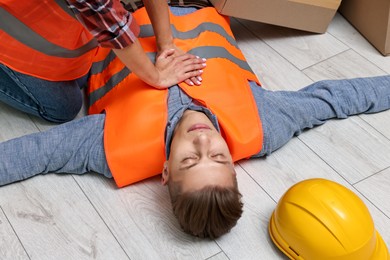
(55, 101)
(62, 108)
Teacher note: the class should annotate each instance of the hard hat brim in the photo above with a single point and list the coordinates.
(279, 241)
(380, 252)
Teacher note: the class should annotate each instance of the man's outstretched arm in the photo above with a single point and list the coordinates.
(285, 114)
(74, 147)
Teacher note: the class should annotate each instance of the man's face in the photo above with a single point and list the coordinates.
(199, 155)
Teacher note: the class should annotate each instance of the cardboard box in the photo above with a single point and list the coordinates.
(371, 19)
(307, 15)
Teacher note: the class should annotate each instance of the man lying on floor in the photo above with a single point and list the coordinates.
(192, 135)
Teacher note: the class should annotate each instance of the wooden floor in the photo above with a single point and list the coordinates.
(86, 217)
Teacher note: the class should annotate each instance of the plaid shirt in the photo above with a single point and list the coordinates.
(133, 5)
(107, 20)
(111, 22)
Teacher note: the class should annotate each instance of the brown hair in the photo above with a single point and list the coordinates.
(209, 212)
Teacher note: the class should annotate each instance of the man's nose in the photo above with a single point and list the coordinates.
(202, 139)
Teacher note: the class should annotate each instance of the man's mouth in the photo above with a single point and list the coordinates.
(199, 127)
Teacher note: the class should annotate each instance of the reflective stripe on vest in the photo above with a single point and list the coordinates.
(43, 39)
(136, 114)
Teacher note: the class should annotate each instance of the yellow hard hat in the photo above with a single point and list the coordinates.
(320, 219)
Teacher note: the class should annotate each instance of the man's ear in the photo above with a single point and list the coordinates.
(165, 174)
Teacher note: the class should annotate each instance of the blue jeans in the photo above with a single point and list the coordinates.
(55, 101)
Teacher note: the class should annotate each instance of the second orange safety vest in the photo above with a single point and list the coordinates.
(136, 114)
(43, 39)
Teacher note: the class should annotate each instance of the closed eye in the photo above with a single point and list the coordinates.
(188, 159)
(218, 156)
(188, 164)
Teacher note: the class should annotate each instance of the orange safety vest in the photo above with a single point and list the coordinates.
(44, 40)
(136, 113)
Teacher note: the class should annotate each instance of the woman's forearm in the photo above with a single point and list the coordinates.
(159, 16)
(134, 57)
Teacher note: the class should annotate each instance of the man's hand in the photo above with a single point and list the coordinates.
(175, 66)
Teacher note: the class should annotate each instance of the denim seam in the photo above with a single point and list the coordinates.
(18, 101)
(25, 89)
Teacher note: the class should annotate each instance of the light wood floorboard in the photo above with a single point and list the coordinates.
(87, 217)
